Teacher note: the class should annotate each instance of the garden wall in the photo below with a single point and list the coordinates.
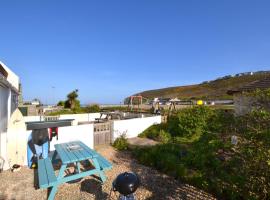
(77, 117)
(133, 127)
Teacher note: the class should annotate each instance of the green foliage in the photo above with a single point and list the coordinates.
(221, 121)
(189, 121)
(164, 136)
(72, 101)
(261, 99)
(121, 143)
(157, 132)
(254, 153)
(164, 157)
(199, 151)
(61, 103)
(92, 108)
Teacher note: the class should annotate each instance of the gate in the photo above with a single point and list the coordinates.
(102, 133)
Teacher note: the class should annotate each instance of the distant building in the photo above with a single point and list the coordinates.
(244, 103)
(35, 102)
(9, 92)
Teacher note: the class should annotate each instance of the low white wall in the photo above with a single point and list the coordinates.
(3, 147)
(33, 118)
(87, 117)
(133, 127)
(84, 133)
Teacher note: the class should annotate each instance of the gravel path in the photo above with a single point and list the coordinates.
(155, 185)
(137, 141)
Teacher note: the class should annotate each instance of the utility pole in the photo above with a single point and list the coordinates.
(53, 100)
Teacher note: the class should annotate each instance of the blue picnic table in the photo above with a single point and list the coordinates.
(70, 153)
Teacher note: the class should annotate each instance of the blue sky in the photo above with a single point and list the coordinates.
(112, 49)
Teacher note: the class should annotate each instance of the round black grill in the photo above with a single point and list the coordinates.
(126, 183)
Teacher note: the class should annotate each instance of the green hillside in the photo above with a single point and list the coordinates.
(216, 89)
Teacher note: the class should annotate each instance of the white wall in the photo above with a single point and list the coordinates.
(4, 109)
(87, 117)
(3, 149)
(133, 127)
(33, 118)
(3, 146)
(85, 133)
(12, 78)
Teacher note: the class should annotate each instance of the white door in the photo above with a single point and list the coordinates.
(3, 108)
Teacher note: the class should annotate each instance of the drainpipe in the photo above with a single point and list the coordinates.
(9, 105)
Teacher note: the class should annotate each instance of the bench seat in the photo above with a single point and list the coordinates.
(46, 175)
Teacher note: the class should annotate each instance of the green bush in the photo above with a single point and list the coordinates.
(164, 136)
(121, 143)
(94, 108)
(197, 149)
(154, 131)
(189, 121)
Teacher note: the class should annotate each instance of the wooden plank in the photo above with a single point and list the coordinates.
(42, 174)
(82, 154)
(62, 154)
(50, 172)
(77, 176)
(88, 149)
(70, 154)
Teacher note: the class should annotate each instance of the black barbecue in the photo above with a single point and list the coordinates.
(126, 184)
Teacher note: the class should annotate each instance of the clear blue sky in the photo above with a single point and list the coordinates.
(111, 49)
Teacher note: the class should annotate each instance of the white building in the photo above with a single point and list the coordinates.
(9, 92)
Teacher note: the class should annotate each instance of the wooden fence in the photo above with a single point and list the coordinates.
(102, 133)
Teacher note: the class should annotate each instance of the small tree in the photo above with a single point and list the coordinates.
(72, 101)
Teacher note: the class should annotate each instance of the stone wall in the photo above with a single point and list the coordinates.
(242, 104)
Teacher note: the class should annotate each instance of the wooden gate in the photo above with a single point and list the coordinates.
(102, 133)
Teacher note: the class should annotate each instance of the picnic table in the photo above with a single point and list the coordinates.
(70, 153)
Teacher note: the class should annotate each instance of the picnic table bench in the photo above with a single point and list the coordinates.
(71, 152)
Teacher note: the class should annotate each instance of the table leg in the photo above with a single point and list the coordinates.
(100, 172)
(54, 188)
(78, 170)
(61, 171)
(52, 193)
(54, 156)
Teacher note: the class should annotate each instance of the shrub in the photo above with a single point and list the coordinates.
(164, 136)
(121, 143)
(94, 108)
(61, 103)
(189, 121)
(153, 132)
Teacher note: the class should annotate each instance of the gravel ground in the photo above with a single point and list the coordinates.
(137, 141)
(155, 185)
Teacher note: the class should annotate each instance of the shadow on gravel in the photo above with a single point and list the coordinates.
(36, 184)
(94, 187)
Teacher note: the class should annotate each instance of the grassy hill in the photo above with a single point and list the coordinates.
(216, 89)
